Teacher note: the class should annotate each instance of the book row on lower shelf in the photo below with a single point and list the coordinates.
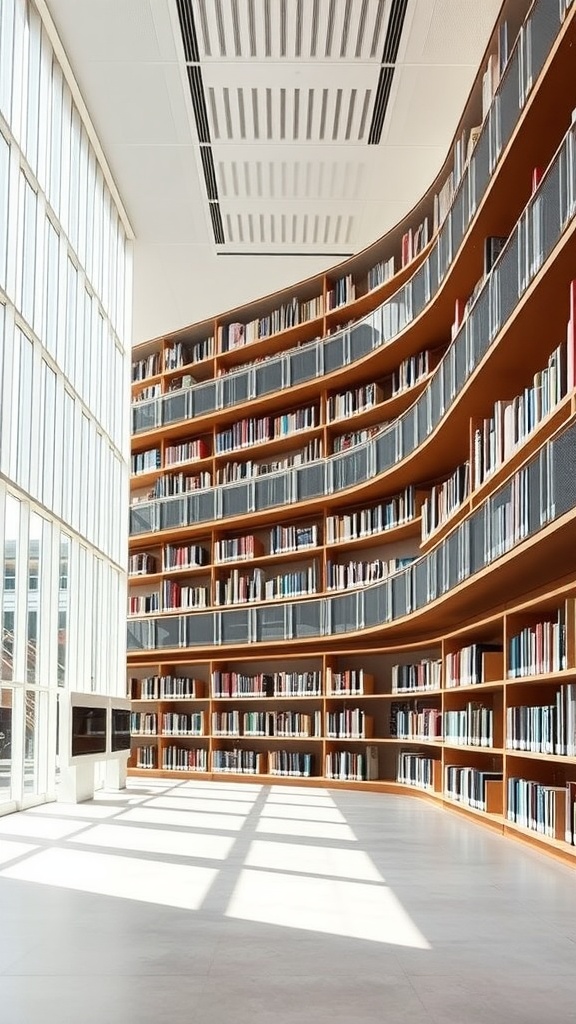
(545, 808)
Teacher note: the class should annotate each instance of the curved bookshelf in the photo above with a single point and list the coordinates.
(351, 556)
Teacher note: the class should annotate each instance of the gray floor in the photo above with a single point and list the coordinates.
(192, 902)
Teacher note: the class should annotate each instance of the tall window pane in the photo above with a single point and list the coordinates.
(33, 610)
(10, 588)
(64, 576)
(51, 277)
(6, 697)
(4, 190)
(29, 204)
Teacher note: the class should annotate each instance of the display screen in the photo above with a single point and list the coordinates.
(88, 731)
(120, 729)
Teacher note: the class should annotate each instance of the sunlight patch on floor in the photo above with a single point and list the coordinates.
(154, 840)
(150, 881)
(306, 829)
(313, 860)
(331, 907)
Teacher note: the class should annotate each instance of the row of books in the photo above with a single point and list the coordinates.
(254, 430)
(166, 688)
(343, 291)
(411, 722)
(355, 437)
(468, 786)
(380, 273)
(291, 724)
(352, 765)
(141, 564)
(545, 729)
(239, 760)
(184, 353)
(186, 451)
(415, 769)
(350, 724)
(296, 311)
(174, 724)
(348, 403)
(293, 538)
(539, 807)
(368, 521)
(148, 394)
(413, 241)
(181, 483)
(354, 682)
(240, 587)
(232, 472)
(144, 462)
(471, 726)
(410, 371)
(477, 663)
(444, 499)
(143, 604)
(513, 420)
(234, 548)
(184, 556)
(355, 574)
(274, 684)
(421, 676)
(144, 723)
(184, 759)
(177, 595)
(539, 648)
(149, 366)
(281, 723)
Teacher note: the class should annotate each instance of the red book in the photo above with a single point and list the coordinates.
(537, 173)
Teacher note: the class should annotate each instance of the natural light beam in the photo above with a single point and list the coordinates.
(351, 909)
(193, 803)
(306, 829)
(9, 850)
(150, 881)
(300, 799)
(185, 819)
(312, 860)
(35, 826)
(80, 811)
(303, 813)
(152, 840)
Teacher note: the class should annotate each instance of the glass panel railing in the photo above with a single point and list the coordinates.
(544, 222)
(539, 493)
(542, 27)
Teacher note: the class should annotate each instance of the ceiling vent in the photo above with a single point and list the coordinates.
(389, 55)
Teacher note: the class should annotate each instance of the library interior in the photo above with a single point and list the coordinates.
(287, 511)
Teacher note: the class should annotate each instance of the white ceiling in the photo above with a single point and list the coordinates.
(289, 88)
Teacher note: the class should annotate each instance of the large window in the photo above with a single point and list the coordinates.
(62, 368)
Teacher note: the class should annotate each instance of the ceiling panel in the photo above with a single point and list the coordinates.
(291, 29)
(289, 89)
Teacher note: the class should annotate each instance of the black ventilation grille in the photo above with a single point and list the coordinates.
(389, 55)
(199, 102)
(198, 97)
(209, 173)
(188, 29)
(217, 226)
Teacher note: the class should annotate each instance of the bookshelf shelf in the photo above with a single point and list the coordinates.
(433, 351)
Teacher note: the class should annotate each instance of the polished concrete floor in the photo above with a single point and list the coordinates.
(241, 904)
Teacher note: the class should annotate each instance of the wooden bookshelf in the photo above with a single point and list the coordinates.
(431, 649)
